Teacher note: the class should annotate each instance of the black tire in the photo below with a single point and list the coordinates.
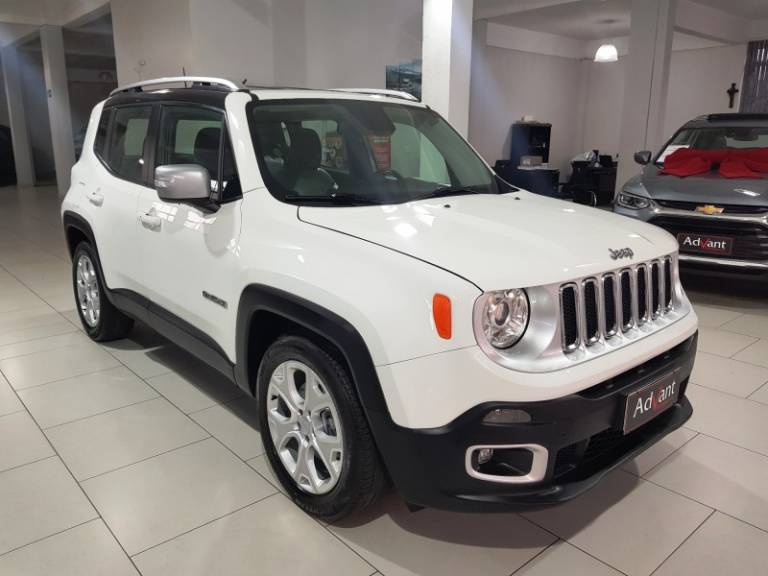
(112, 324)
(362, 478)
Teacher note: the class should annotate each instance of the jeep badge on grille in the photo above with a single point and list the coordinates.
(621, 253)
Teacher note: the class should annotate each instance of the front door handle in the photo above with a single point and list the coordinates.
(150, 221)
(95, 198)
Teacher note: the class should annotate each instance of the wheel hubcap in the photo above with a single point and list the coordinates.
(88, 297)
(305, 427)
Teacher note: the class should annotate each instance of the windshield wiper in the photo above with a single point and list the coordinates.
(335, 199)
(444, 191)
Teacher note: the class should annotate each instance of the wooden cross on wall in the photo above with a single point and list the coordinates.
(732, 91)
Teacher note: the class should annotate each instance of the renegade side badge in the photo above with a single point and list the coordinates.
(215, 299)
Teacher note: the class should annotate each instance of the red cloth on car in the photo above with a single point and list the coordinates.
(731, 163)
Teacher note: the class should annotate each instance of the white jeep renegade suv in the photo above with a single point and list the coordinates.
(398, 312)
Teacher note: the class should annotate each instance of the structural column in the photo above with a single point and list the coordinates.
(55, 72)
(647, 79)
(22, 149)
(447, 58)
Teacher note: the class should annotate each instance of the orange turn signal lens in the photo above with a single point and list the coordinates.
(441, 312)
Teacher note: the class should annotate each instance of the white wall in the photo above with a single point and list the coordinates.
(350, 42)
(284, 42)
(157, 33)
(697, 83)
(508, 84)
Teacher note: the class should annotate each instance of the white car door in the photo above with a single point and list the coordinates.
(190, 250)
(113, 188)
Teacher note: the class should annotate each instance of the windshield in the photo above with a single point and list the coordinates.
(358, 152)
(717, 138)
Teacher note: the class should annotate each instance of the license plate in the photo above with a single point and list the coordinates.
(649, 401)
(705, 244)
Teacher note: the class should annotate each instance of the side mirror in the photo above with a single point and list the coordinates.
(179, 182)
(643, 157)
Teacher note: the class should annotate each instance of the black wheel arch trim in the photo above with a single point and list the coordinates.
(314, 318)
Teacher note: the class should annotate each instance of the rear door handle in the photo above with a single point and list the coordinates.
(95, 198)
(150, 221)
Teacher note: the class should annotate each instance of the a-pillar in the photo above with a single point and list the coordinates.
(59, 114)
(447, 58)
(22, 149)
(647, 79)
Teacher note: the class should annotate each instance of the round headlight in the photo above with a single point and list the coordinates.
(505, 317)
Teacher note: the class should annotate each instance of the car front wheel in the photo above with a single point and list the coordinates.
(314, 431)
(101, 320)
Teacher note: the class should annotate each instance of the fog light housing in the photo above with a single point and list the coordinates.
(507, 416)
(484, 455)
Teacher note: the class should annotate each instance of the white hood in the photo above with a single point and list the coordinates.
(499, 242)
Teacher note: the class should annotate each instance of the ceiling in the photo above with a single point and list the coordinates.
(585, 20)
(591, 19)
(743, 8)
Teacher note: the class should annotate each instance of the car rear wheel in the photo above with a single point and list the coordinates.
(100, 319)
(314, 431)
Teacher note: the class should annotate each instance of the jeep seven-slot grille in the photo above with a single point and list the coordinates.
(601, 307)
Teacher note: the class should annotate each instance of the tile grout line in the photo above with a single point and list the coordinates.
(668, 456)
(80, 486)
(707, 505)
(25, 354)
(538, 554)
(729, 393)
(108, 411)
(62, 379)
(714, 510)
(243, 507)
(163, 453)
(35, 461)
(94, 519)
(579, 548)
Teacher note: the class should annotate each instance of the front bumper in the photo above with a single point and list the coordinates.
(582, 435)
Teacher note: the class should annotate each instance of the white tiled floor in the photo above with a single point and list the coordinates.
(136, 458)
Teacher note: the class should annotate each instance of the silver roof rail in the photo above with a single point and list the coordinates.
(199, 80)
(379, 92)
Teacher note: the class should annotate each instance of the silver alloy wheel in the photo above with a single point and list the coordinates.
(305, 427)
(88, 296)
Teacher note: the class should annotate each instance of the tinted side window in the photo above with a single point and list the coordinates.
(197, 135)
(100, 142)
(191, 135)
(126, 141)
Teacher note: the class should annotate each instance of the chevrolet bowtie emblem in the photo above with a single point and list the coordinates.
(710, 209)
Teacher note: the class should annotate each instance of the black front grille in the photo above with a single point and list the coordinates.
(667, 284)
(750, 240)
(626, 298)
(591, 313)
(570, 320)
(590, 310)
(642, 294)
(727, 208)
(609, 297)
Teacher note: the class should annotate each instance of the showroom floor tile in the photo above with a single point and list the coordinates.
(88, 549)
(722, 545)
(153, 501)
(179, 485)
(653, 521)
